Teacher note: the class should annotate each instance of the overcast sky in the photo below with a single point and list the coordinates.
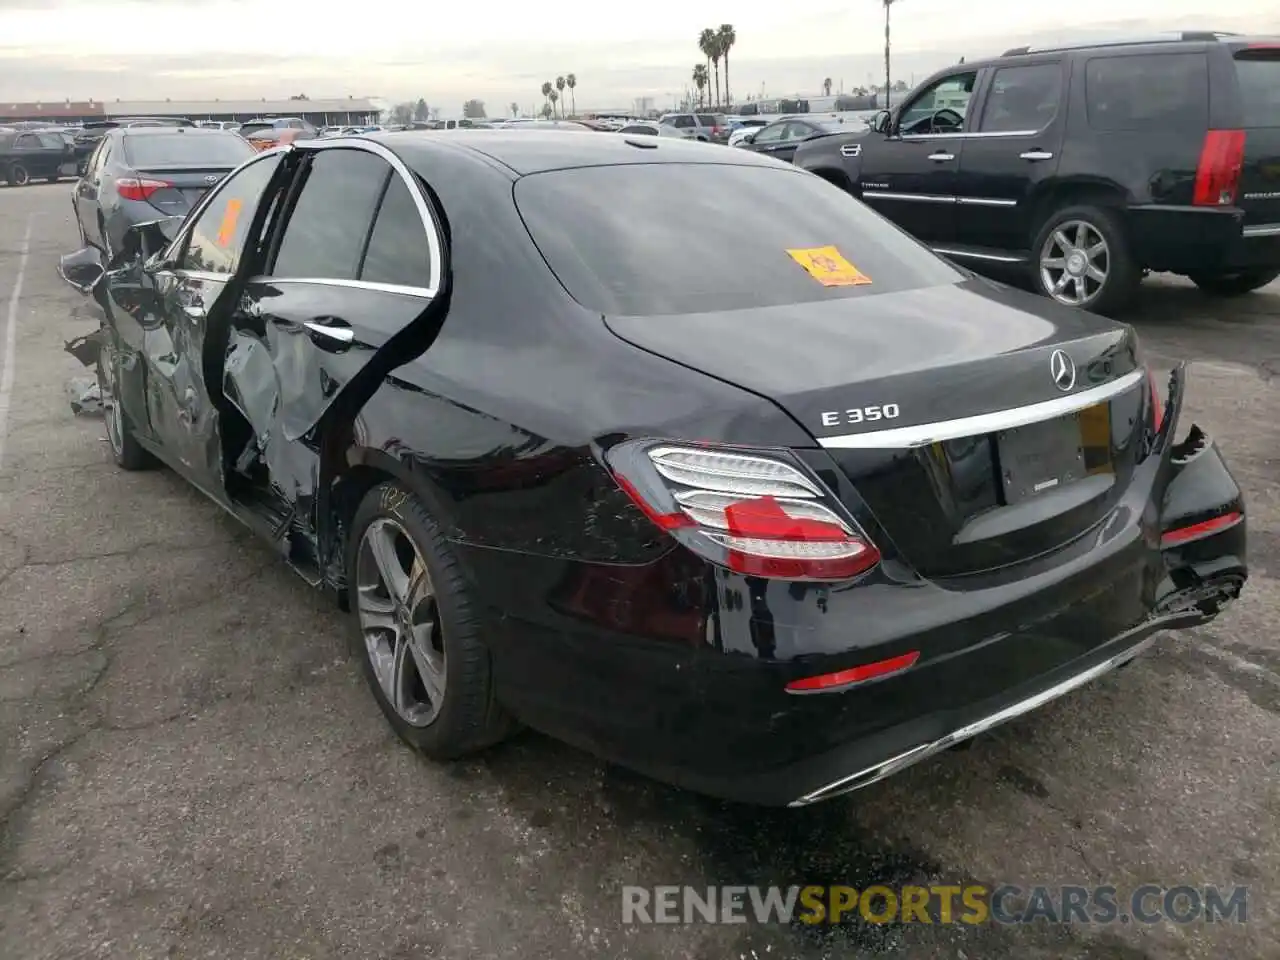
(500, 52)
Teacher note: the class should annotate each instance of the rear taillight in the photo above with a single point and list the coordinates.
(139, 188)
(1157, 404)
(760, 514)
(1218, 174)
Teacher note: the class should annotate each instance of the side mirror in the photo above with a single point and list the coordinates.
(880, 122)
(82, 269)
(749, 138)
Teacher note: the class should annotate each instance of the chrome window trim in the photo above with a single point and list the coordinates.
(1261, 230)
(974, 135)
(915, 197)
(927, 433)
(423, 292)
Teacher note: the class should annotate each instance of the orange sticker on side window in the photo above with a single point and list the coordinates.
(829, 267)
(227, 229)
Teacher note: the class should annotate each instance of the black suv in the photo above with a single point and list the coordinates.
(1089, 165)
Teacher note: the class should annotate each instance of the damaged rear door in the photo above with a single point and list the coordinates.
(344, 297)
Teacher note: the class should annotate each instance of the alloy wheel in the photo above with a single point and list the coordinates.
(400, 621)
(1075, 262)
(111, 412)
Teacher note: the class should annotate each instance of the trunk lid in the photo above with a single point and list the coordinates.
(1257, 68)
(1003, 463)
(186, 185)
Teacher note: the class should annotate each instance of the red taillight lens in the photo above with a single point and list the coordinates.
(1157, 404)
(139, 188)
(757, 514)
(1218, 174)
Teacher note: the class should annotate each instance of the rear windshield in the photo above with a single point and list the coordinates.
(1258, 72)
(670, 238)
(178, 149)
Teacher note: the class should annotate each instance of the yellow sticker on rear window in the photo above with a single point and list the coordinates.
(829, 267)
(227, 229)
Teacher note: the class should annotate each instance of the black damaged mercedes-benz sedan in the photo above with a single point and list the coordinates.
(676, 453)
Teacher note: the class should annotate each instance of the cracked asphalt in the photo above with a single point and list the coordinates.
(191, 766)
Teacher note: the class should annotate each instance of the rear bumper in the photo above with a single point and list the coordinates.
(1192, 239)
(678, 669)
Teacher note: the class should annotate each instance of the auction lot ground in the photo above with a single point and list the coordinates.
(191, 766)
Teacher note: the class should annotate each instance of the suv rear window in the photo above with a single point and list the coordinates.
(1258, 73)
(178, 149)
(1140, 92)
(707, 120)
(672, 238)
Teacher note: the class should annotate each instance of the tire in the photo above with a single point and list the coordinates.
(456, 713)
(1234, 284)
(125, 450)
(52, 179)
(1120, 272)
(18, 175)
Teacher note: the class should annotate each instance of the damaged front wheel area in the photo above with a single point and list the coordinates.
(125, 450)
(417, 632)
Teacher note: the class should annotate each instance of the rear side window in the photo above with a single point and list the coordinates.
(670, 238)
(1023, 98)
(706, 119)
(398, 251)
(325, 234)
(180, 149)
(1258, 73)
(1169, 90)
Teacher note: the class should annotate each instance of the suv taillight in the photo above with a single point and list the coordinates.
(1157, 402)
(139, 188)
(759, 514)
(1218, 174)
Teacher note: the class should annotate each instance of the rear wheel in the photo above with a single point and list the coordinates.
(125, 450)
(417, 632)
(18, 175)
(1234, 284)
(1083, 259)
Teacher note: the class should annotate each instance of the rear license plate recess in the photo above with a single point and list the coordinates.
(1040, 457)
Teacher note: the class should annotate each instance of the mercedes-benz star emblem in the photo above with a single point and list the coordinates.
(1063, 370)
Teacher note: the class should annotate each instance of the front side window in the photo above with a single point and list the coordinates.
(771, 134)
(27, 142)
(1156, 91)
(1023, 98)
(218, 236)
(941, 107)
(729, 238)
(325, 233)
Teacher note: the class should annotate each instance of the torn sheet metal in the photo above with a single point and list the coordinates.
(86, 348)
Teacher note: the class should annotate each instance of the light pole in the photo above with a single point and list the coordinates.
(887, 5)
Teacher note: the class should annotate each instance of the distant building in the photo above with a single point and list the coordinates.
(335, 111)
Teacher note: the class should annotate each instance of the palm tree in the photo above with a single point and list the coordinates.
(700, 79)
(727, 37)
(707, 44)
(553, 96)
(560, 93)
(716, 53)
(546, 92)
(571, 81)
(546, 110)
(515, 109)
(826, 87)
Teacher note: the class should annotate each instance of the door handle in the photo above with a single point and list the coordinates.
(341, 334)
(942, 156)
(1036, 155)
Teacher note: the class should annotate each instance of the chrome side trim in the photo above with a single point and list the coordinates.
(1261, 230)
(870, 775)
(423, 292)
(986, 201)
(927, 433)
(975, 135)
(974, 255)
(915, 197)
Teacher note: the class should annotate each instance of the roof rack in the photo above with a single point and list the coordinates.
(1184, 36)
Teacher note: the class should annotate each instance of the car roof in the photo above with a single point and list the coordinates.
(121, 132)
(536, 151)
